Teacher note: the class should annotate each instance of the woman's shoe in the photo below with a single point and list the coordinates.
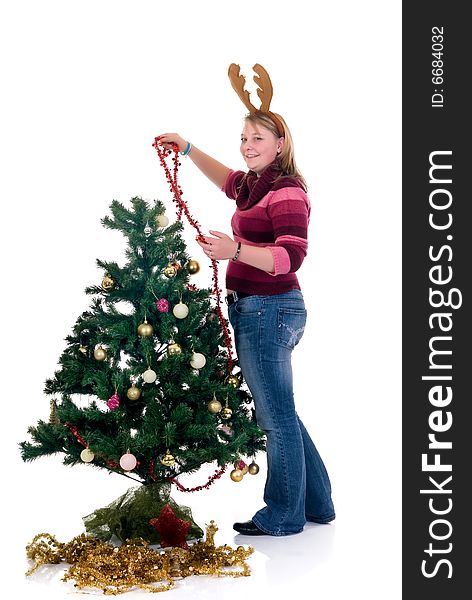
(248, 528)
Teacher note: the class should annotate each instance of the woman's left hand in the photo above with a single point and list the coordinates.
(219, 247)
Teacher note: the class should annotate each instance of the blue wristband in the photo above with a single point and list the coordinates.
(187, 150)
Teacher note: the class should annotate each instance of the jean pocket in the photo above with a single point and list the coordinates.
(249, 306)
(290, 326)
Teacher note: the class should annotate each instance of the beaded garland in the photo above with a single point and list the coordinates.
(172, 179)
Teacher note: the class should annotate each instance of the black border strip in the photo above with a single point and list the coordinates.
(437, 269)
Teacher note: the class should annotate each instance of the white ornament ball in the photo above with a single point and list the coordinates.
(162, 221)
(149, 376)
(180, 310)
(87, 455)
(128, 461)
(198, 361)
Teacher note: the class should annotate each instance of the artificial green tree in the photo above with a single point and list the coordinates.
(145, 388)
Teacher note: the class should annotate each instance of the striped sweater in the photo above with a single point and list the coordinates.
(279, 221)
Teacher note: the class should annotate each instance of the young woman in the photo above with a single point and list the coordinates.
(267, 312)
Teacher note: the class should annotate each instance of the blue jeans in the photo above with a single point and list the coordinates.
(266, 330)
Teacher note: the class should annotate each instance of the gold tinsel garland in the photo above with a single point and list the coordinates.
(117, 569)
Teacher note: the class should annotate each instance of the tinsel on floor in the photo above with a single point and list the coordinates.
(135, 564)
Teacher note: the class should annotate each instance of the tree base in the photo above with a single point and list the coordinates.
(128, 516)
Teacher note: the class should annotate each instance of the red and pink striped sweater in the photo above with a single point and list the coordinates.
(279, 221)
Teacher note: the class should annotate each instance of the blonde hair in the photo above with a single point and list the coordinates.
(287, 155)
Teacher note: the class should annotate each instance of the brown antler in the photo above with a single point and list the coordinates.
(264, 84)
(238, 81)
(264, 92)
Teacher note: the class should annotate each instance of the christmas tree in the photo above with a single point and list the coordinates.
(147, 387)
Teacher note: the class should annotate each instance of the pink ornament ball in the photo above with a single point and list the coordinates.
(162, 305)
(226, 429)
(113, 402)
(128, 462)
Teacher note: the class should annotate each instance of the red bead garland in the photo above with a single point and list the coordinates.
(75, 431)
(183, 208)
(218, 473)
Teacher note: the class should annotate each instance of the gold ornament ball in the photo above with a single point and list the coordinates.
(233, 381)
(170, 271)
(133, 392)
(100, 353)
(193, 266)
(145, 329)
(226, 413)
(174, 349)
(168, 460)
(253, 468)
(107, 283)
(162, 221)
(236, 475)
(214, 406)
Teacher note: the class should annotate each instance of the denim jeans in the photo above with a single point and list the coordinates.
(266, 330)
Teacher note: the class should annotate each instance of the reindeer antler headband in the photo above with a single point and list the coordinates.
(264, 92)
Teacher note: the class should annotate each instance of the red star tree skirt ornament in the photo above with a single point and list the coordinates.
(172, 530)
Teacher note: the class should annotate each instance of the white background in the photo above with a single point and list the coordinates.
(86, 87)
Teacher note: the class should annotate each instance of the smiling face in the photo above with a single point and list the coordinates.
(259, 146)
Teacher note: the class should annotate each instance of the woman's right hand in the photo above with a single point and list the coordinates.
(168, 139)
